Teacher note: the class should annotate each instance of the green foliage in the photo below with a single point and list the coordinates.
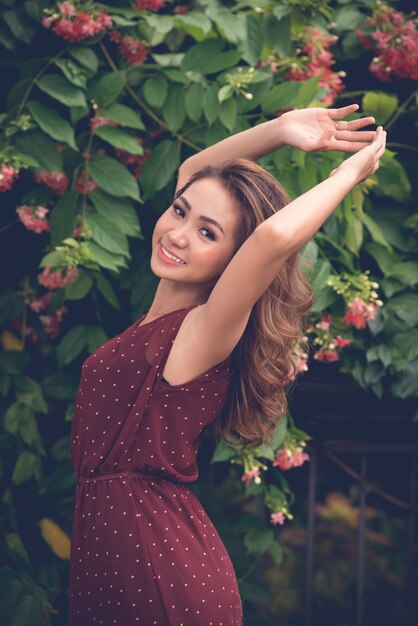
(118, 133)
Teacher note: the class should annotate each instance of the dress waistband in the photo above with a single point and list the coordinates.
(127, 474)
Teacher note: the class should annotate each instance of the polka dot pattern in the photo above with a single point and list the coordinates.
(143, 549)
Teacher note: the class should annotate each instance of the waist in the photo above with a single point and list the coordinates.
(128, 474)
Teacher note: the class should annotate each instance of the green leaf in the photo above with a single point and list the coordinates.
(174, 108)
(221, 62)
(52, 123)
(36, 144)
(223, 452)
(25, 468)
(307, 92)
(407, 384)
(276, 552)
(232, 26)
(375, 231)
(195, 23)
(21, 26)
(155, 91)
(80, 287)
(109, 88)
(62, 90)
(197, 56)
(106, 234)
(96, 338)
(253, 42)
(72, 344)
(225, 92)
(393, 181)
(405, 271)
(106, 290)
(405, 307)
(124, 116)
(277, 33)
(85, 56)
(282, 96)
(105, 259)
(211, 105)
(72, 72)
(194, 101)
(113, 177)
(63, 217)
(406, 343)
(259, 540)
(118, 210)
(119, 138)
(380, 105)
(353, 236)
(160, 167)
(228, 113)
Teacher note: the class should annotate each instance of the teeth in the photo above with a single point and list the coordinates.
(170, 256)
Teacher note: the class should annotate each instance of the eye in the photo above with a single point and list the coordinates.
(176, 208)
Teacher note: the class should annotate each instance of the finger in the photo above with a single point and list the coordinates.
(350, 146)
(351, 135)
(381, 151)
(355, 124)
(342, 111)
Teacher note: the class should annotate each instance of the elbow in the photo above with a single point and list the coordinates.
(273, 236)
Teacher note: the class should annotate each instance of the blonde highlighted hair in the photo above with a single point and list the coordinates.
(264, 362)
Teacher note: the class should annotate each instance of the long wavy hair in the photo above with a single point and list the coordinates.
(264, 363)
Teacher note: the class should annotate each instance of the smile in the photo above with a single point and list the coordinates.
(169, 258)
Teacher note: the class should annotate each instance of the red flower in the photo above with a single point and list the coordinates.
(33, 218)
(57, 181)
(8, 175)
(132, 50)
(75, 24)
(326, 355)
(151, 5)
(56, 279)
(286, 459)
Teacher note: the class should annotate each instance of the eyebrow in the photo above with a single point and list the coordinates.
(209, 220)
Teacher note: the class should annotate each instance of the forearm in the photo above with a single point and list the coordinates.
(252, 144)
(298, 221)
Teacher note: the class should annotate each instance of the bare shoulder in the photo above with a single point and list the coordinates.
(191, 354)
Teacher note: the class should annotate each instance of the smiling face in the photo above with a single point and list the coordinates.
(187, 230)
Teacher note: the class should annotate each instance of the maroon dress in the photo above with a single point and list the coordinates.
(143, 549)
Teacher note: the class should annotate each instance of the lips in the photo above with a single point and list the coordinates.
(171, 252)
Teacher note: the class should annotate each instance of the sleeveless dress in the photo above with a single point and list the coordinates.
(143, 549)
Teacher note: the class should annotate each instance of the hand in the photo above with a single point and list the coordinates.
(366, 161)
(317, 129)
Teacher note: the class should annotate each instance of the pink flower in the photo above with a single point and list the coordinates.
(57, 181)
(40, 304)
(137, 161)
(66, 8)
(341, 342)
(359, 312)
(250, 474)
(277, 518)
(326, 355)
(325, 323)
(132, 50)
(76, 24)
(33, 218)
(151, 5)
(99, 120)
(8, 175)
(56, 279)
(50, 323)
(182, 9)
(286, 459)
(83, 184)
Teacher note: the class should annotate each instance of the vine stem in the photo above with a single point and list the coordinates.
(249, 570)
(142, 104)
(402, 145)
(34, 80)
(401, 109)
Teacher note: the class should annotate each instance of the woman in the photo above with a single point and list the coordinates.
(215, 347)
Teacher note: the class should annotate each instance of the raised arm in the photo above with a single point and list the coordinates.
(312, 129)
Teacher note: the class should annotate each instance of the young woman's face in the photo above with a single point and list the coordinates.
(182, 230)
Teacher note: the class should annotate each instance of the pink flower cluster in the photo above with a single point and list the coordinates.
(136, 161)
(40, 304)
(84, 184)
(132, 50)
(316, 44)
(34, 218)
(75, 24)
(56, 279)
(250, 474)
(286, 459)
(51, 323)
(359, 312)
(8, 174)
(151, 5)
(57, 181)
(99, 120)
(394, 40)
